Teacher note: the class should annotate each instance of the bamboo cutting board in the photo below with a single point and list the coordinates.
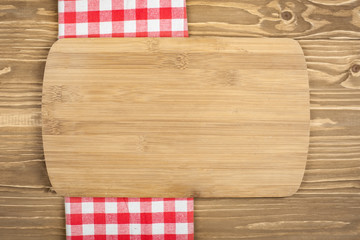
(176, 117)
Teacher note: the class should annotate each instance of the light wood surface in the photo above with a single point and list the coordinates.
(327, 206)
(200, 116)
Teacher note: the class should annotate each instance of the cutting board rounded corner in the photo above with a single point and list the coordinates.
(55, 46)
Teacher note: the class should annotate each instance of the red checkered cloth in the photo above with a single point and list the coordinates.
(129, 218)
(126, 218)
(122, 18)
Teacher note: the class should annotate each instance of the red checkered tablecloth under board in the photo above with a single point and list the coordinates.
(129, 218)
(122, 18)
(126, 218)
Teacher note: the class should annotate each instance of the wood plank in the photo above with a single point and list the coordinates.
(28, 29)
(310, 217)
(311, 19)
(35, 215)
(31, 215)
(31, 26)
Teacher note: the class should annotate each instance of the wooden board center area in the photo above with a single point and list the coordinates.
(176, 117)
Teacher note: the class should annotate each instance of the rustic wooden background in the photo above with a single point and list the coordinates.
(328, 204)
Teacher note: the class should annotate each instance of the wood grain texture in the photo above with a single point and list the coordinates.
(181, 117)
(327, 206)
(315, 19)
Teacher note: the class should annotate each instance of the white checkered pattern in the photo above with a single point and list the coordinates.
(122, 18)
(129, 218)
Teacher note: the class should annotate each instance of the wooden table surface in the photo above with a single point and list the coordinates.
(327, 205)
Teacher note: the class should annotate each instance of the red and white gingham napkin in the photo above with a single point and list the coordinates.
(122, 18)
(126, 218)
(129, 218)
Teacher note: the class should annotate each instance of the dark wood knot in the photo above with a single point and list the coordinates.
(355, 68)
(286, 15)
